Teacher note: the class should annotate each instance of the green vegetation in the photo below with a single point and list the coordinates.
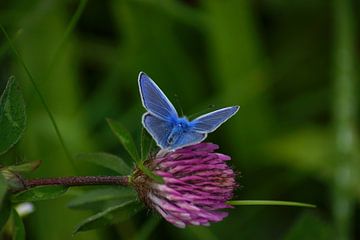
(290, 65)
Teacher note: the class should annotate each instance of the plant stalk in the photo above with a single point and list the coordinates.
(77, 181)
(345, 118)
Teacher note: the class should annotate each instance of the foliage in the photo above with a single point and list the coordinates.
(39, 194)
(106, 160)
(110, 215)
(12, 115)
(273, 58)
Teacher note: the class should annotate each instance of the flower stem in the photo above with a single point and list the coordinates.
(269, 203)
(77, 181)
(345, 109)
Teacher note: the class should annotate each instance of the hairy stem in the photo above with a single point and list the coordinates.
(78, 181)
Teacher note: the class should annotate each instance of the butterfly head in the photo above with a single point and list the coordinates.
(182, 123)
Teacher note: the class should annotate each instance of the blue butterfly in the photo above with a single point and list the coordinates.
(168, 129)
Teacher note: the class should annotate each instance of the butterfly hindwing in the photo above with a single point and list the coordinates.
(189, 138)
(154, 100)
(158, 128)
(211, 121)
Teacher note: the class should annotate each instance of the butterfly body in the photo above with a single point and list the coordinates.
(180, 127)
(168, 129)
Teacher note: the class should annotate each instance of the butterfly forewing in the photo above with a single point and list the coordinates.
(211, 121)
(154, 100)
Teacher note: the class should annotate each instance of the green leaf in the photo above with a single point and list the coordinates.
(18, 229)
(125, 138)
(101, 197)
(269, 203)
(106, 160)
(146, 144)
(3, 187)
(25, 167)
(40, 193)
(109, 216)
(12, 116)
(309, 226)
(5, 210)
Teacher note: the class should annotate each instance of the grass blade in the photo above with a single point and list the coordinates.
(75, 18)
(18, 226)
(269, 203)
(42, 99)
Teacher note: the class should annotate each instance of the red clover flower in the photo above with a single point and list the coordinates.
(197, 185)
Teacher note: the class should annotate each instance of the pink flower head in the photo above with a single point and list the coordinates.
(198, 183)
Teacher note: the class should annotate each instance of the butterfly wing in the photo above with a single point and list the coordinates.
(158, 128)
(188, 138)
(154, 100)
(211, 121)
(161, 129)
(161, 117)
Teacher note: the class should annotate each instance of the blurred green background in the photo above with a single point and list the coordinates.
(290, 65)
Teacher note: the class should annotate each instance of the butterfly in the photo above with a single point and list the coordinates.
(164, 124)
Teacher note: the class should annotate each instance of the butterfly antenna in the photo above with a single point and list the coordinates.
(178, 104)
(211, 107)
(197, 114)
